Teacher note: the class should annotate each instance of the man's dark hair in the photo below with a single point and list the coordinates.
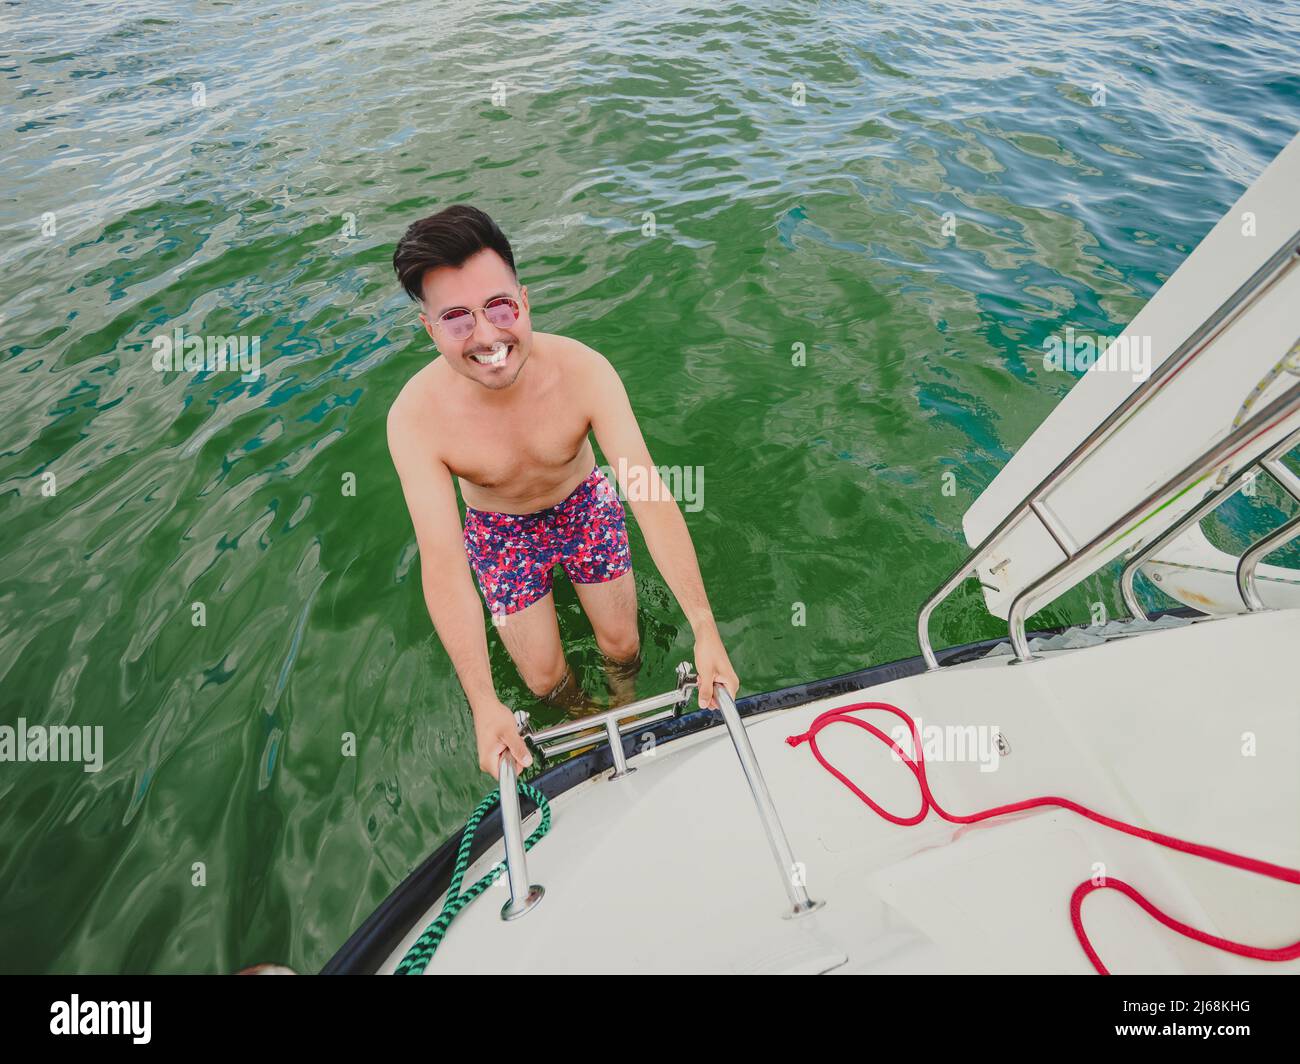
(447, 238)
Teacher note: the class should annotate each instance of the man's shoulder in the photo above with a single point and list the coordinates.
(409, 414)
(579, 358)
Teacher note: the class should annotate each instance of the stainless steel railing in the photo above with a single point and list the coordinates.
(523, 895)
(791, 870)
(1271, 463)
(1246, 566)
(575, 734)
(1035, 503)
(611, 726)
(1282, 411)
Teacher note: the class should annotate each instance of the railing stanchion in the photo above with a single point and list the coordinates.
(523, 895)
(790, 869)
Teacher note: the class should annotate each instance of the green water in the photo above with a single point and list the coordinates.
(777, 225)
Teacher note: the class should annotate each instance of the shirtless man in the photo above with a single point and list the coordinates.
(506, 411)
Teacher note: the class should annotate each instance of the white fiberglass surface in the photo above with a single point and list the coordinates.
(1192, 732)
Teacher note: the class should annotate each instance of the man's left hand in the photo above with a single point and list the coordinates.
(713, 666)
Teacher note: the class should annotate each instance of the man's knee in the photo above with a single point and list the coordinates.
(543, 681)
(620, 647)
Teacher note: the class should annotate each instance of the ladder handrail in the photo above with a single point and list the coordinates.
(791, 870)
(525, 895)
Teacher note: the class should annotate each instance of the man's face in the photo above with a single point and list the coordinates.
(481, 278)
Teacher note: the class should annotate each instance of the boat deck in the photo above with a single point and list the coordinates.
(668, 871)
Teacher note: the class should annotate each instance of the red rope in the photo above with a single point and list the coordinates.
(928, 802)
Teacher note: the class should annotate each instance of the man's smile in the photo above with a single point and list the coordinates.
(496, 357)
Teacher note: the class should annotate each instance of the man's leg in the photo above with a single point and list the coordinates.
(611, 608)
(532, 637)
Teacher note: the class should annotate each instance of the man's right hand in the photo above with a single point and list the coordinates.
(496, 732)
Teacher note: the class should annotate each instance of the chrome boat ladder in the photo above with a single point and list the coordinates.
(611, 726)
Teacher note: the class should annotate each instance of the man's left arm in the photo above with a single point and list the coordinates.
(661, 521)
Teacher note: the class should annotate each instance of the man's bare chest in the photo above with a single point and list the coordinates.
(519, 464)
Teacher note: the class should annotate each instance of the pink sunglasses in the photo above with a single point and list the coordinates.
(458, 322)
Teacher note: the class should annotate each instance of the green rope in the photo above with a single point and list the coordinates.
(421, 953)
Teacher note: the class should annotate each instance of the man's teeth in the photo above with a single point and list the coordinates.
(497, 356)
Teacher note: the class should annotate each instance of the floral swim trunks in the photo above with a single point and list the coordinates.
(512, 555)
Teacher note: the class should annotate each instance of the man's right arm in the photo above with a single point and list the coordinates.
(448, 586)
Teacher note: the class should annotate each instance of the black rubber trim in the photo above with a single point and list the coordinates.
(374, 941)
